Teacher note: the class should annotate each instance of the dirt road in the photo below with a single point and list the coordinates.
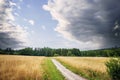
(66, 73)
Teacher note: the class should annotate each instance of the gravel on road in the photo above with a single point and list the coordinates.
(69, 75)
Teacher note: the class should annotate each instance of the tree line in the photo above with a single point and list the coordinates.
(46, 51)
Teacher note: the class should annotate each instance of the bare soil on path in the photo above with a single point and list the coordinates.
(69, 75)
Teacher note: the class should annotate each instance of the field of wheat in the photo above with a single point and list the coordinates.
(90, 67)
(37, 68)
(21, 67)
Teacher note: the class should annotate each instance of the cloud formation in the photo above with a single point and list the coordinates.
(11, 35)
(31, 22)
(90, 22)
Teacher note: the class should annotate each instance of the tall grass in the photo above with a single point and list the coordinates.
(92, 68)
(21, 68)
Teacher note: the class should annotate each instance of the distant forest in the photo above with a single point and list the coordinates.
(46, 51)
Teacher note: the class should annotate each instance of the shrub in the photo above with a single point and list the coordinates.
(113, 68)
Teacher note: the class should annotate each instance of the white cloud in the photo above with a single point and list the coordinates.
(16, 14)
(11, 35)
(31, 22)
(12, 4)
(9, 14)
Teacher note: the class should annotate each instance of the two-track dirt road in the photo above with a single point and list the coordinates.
(66, 73)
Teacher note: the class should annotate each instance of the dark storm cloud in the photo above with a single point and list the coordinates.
(94, 21)
(10, 34)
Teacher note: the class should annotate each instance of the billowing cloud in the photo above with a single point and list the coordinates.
(16, 14)
(11, 35)
(12, 3)
(89, 22)
(31, 22)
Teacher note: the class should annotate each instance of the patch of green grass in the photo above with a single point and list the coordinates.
(51, 72)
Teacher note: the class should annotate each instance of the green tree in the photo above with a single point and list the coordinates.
(113, 68)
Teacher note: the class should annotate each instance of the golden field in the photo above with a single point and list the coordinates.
(21, 67)
(90, 67)
(39, 68)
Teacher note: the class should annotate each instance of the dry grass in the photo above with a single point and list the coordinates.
(21, 67)
(92, 67)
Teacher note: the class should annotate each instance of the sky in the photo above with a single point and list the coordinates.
(83, 24)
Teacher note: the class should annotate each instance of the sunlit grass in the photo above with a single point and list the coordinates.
(51, 72)
(21, 67)
(92, 68)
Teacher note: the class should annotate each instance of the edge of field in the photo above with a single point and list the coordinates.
(51, 72)
(82, 74)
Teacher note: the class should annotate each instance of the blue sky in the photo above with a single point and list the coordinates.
(41, 33)
(60, 23)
